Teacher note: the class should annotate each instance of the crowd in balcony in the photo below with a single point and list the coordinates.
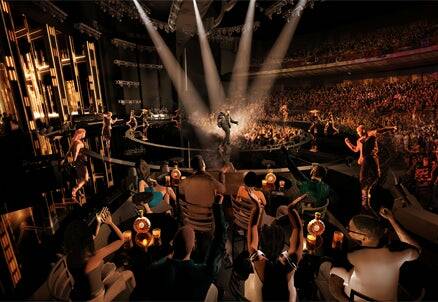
(346, 46)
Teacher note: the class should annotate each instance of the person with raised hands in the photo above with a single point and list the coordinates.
(274, 269)
(178, 276)
(94, 278)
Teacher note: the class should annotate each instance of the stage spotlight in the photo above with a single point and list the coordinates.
(190, 98)
(266, 77)
(215, 90)
(239, 77)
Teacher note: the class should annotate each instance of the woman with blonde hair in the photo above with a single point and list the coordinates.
(77, 148)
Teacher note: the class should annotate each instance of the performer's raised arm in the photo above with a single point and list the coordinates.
(351, 146)
(381, 130)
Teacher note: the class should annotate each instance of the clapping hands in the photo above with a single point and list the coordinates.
(104, 216)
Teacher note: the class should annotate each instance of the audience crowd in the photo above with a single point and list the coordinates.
(409, 104)
(261, 135)
(278, 259)
(351, 45)
(198, 262)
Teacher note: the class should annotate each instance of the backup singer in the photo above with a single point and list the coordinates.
(132, 123)
(145, 115)
(77, 151)
(107, 127)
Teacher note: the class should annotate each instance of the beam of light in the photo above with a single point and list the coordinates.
(239, 78)
(215, 90)
(263, 82)
(191, 100)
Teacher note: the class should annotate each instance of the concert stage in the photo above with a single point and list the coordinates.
(166, 141)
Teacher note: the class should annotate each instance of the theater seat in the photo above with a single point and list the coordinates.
(60, 281)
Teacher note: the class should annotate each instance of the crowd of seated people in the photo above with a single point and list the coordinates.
(267, 269)
(345, 46)
(376, 102)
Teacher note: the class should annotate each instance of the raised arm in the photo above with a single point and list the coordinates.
(219, 186)
(293, 169)
(142, 185)
(217, 248)
(233, 121)
(351, 146)
(171, 193)
(296, 238)
(99, 217)
(402, 235)
(253, 232)
(113, 246)
(381, 130)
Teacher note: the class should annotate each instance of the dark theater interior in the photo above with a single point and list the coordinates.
(218, 150)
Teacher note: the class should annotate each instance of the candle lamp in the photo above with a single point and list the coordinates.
(311, 242)
(175, 175)
(127, 236)
(338, 237)
(144, 240)
(156, 233)
(270, 177)
(316, 226)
